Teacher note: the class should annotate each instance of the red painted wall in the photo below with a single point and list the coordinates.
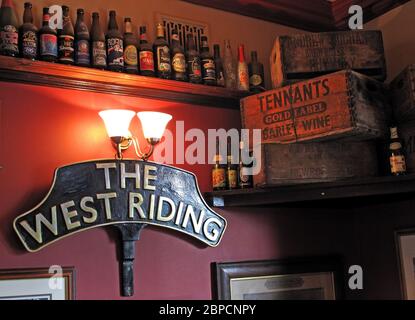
(44, 128)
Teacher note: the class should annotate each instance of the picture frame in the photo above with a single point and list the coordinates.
(315, 278)
(34, 284)
(405, 252)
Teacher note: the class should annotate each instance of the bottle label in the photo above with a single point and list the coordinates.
(255, 80)
(395, 146)
(49, 45)
(232, 179)
(99, 54)
(218, 178)
(398, 164)
(29, 44)
(146, 61)
(243, 178)
(66, 50)
(243, 77)
(9, 39)
(115, 52)
(82, 31)
(195, 68)
(82, 52)
(131, 56)
(163, 59)
(179, 63)
(209, 69)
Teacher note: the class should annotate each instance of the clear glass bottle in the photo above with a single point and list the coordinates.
(229, 67)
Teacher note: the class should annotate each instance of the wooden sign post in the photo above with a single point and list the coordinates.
(128, 194)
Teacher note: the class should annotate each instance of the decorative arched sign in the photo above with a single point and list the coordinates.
(126, 193)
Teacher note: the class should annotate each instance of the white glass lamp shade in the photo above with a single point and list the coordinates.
(153, 123)
(117, 122)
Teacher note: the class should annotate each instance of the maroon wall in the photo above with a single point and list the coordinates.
(44, 128)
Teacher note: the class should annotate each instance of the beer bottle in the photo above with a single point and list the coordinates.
(396, 154)
(256, 74)
(161, 51)
(208, 64)
(220, 78)
(82, 37)
(218, 171)
(146, 54)
(232, 169)
(9, 35)
(229, 67)
(178, 58)
(130, 49)
(243, 73)
(48, 40)
(28, 34)
(245, 180)
(66, 39)
(99, 51)
(115, 45)
(194, 65)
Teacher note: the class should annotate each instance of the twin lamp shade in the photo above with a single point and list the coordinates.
(117, 123)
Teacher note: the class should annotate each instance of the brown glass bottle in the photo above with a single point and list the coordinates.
(245, 179)
(66, 39)
(9, 35)
(82, 38)
(48, 40)
(115, 45)
(130, 49)
(28, 35)
(98, 46)
(178, 58)
(220, 78)
(256, 74)
(194, 64)
(161, 52)
(396, 154)
(146, 56)
(208, 63)
(218, 171)
(232, 169)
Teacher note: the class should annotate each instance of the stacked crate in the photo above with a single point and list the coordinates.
(319, 123)
(403, 103)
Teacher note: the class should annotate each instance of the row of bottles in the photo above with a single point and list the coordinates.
(119, 52)
(230, 176)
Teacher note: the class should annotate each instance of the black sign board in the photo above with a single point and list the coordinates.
(107, 192)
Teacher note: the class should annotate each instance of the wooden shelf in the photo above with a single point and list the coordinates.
(313, 191)
(88, 79)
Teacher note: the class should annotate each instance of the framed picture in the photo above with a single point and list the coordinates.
(296, 279)
(37, 284)
(405, 247)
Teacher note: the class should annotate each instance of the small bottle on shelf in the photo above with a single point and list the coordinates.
(229, 67)
(66, 38)
(9, 34)
(115, 45)
(146, 55)
(194, 65)
(243, 73)
(220, 78)
(130, 49)
(256, 74)
(99, 51)
(82, 38)
(245, 180)
(396, 155)
(28, 35)
(218, 171)
(48, 40)
(232, 169)
(208, 64)
(178, 61)
(161, 51)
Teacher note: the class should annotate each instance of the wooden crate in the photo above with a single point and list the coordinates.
(403, 95)
(299, 163)
(407, 133)
(342, 104)
(305, 56)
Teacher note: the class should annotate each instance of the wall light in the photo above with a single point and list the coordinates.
(117, 123)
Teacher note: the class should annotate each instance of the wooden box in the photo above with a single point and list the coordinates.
(406, 132)
(342, 104)
(403, 95)
(298, 163)
(305, 56)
